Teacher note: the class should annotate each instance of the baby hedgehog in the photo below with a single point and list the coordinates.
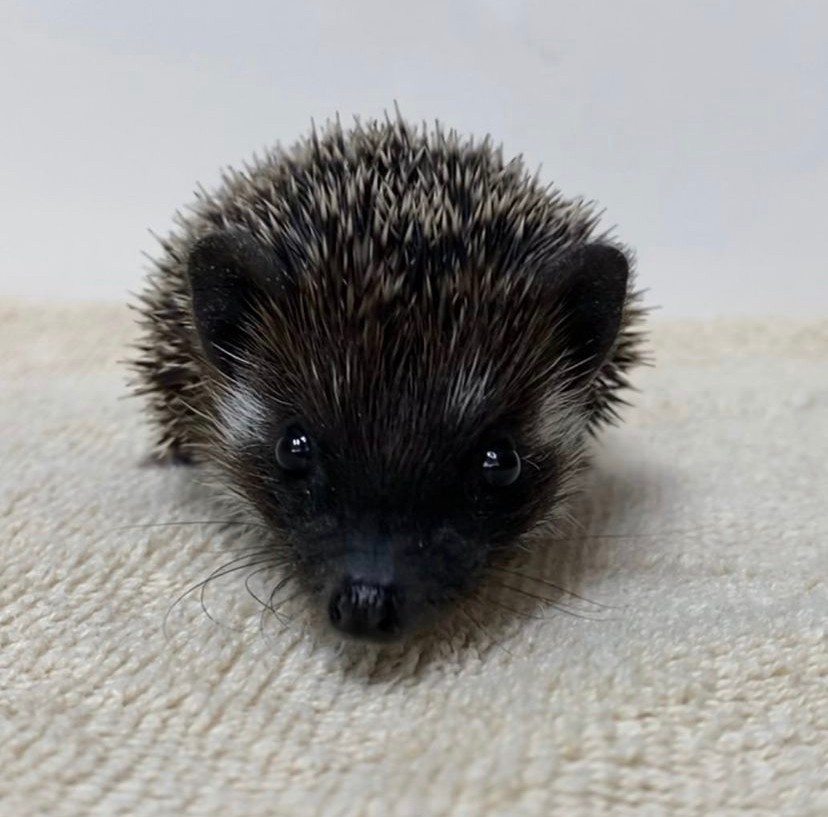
(391, 346)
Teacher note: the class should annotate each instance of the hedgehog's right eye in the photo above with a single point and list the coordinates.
(294, 450)
(501, 464)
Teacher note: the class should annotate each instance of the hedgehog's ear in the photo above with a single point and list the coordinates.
(229, 272)
(590, 284)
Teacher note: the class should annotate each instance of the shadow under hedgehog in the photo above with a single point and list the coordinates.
(391, 347)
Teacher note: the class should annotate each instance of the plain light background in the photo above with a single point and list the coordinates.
(702, 128)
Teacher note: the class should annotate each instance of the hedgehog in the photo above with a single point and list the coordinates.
(390, 347)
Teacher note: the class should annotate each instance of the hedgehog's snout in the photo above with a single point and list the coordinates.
(366, 609)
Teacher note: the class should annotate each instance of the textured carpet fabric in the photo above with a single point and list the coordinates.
(701, 687)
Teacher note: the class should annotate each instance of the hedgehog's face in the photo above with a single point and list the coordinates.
(396, 448)
(383, 543)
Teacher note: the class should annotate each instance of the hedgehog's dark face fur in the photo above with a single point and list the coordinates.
(400, 346)
(395, 430)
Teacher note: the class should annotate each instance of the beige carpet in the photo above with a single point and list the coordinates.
(701, 689)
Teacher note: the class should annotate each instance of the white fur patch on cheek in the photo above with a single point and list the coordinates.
(562, 421)
(241, 416)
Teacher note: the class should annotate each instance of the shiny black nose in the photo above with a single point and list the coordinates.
(366, 610)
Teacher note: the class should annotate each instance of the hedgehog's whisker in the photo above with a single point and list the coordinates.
(478, 626)
(284, 581)
(269, 606)
(581, 536)
(581, 533)
(280, 617)
(266, 560)
(285, 600)
(521, 613)
(223, 570)
(548, 583)
(284, 619)
(525, 614)
(250, 589)
(190, 522)
(547, 601)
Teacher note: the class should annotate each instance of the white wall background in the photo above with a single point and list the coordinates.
(702, 127)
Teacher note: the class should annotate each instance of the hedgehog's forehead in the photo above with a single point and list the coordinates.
(392, 350)
(414, 389)
(381, 356)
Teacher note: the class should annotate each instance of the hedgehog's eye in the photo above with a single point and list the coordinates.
(501, 464)
(293, 451)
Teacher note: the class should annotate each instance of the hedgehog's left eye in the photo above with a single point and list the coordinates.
(294, 450)
(501, 464)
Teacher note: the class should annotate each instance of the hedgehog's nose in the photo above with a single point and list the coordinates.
(366, 610)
